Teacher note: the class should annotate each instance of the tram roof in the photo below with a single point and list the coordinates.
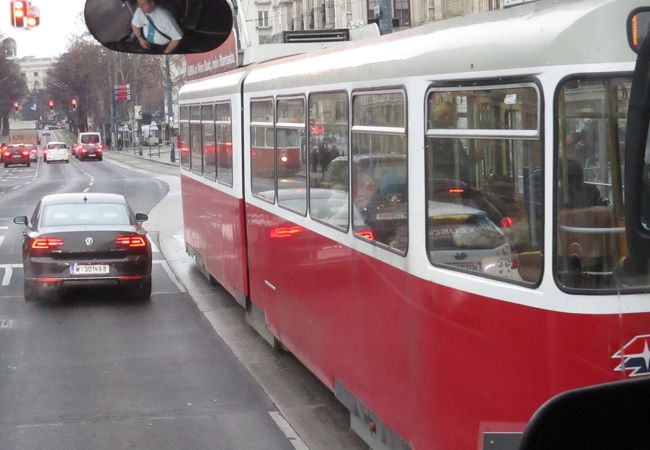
(543, 33)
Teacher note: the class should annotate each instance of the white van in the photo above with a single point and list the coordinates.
(89, 145)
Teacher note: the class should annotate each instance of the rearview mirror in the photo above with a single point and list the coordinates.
(611, 416)
(637, 27)
(141, 217)
(159, 26)
(20, 220)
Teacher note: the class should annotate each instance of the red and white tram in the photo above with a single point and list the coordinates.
(446, 250)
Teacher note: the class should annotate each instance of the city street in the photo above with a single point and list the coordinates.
(99, 370)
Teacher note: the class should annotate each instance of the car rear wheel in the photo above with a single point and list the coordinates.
(30, 291)
(143, 290)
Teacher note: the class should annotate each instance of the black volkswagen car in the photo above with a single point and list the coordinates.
(85, 239)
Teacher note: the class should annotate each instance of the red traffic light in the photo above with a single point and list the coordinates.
(51, 104)
(15, 105)
(73, 103)
(18, 13)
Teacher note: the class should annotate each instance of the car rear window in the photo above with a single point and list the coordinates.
(53, 146)
(89, 138)
(85, 214)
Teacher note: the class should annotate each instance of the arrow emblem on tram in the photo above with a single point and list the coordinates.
(635, 356)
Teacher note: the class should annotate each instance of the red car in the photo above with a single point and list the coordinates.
(16, 154)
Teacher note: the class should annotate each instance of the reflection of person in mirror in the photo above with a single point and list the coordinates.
(155, 28)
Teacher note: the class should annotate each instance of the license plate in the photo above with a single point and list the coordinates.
(476, 267)
(17, 156)
(89, 269)
(391, 215)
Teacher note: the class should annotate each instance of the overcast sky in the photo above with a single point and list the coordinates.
(60, 19)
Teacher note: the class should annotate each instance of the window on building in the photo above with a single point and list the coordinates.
(262, 18)
(402, 11)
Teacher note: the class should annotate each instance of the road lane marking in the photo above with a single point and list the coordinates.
(153, 244)
(170, 274)
(288, 430)
(4, 228)
(9, 270)
(2, 238)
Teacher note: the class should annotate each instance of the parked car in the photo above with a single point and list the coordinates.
(57, 151)
(16, 154)
(85, 239)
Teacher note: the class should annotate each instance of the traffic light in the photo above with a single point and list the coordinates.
(122, 92)
(73, 104)
(33, 16)
(15, 105)
(18, 13)
(51, 105)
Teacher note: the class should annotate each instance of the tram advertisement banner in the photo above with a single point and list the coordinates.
(221, 59)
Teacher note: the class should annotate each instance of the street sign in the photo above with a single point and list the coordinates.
(122, 92)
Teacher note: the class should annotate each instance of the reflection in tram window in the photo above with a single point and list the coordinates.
(196, 148)
(591, 249)
(223, 129)
(184, 137)
(209, 160)
(291, 154)
(379, 168)
(328, 158)
(262, 149)
(484, 196)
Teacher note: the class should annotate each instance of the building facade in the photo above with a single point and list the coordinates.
(34, 71)
(266, 20)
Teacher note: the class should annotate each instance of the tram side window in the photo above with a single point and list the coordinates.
(291, 154)
(262, 149)
(223, 125)
(196, 149)
(484, 196)
(209, 147)
(329, 153)
(379, 169)
(184, 137)
(590, 229)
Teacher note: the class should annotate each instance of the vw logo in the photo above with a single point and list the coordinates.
(89, 241)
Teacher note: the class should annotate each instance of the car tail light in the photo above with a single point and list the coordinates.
(50, 243)
(7, 153)
(99, 149)
(507, 222)
(25, 152)
(284, 232)
(131, 241)
(84, 150)
(367, 234)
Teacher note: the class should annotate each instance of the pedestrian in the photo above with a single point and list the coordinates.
(108, 142)
(155, 28)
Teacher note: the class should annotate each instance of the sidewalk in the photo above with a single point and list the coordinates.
(157, 153)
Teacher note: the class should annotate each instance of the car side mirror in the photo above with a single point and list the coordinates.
(141, 217)
(21, 220)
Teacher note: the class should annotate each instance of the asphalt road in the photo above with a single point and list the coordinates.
(97, 370)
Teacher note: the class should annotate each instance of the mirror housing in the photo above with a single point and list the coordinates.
(21, 220)
(205, 24)
(141, 217)
(611, 416)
